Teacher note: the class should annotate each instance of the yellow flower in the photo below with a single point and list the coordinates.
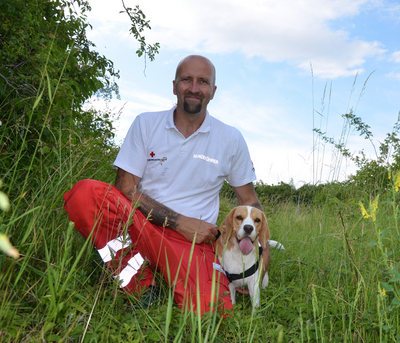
(364, 211)
(375, 207)
(397, 182)
(372, 209)
(382, 292)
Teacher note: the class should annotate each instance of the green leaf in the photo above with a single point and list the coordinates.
(48, 326)
(38, 99)
(394, 279)
(154, 337)
(396, 302)
(45, 150)
(52, 338)
(388, 287)
(384, 232)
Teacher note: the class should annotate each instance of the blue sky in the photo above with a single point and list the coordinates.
(274, 59)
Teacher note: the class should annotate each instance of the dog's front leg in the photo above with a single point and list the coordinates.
(232, 289)
(265, 281)
(254, 291)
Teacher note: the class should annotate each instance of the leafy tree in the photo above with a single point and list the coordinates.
(48, 70)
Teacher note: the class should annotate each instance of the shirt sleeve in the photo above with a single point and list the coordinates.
(132, 156)
(242, 170)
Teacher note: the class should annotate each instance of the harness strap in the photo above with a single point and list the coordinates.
(246, 273)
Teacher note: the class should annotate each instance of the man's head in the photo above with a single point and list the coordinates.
(194, 84)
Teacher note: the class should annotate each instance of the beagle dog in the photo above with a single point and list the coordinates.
(244, 233)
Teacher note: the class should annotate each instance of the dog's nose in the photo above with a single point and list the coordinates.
(248, 229)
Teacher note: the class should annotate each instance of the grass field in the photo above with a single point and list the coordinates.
(336, 281)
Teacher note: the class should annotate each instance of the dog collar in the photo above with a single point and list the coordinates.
(246, 273)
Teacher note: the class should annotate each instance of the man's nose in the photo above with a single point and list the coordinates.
(194, 87)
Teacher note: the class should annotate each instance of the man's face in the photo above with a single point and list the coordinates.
(194, 85)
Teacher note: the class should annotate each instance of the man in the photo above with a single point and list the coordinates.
(172, 164)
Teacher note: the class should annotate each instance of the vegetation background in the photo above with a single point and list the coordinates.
(338, 279)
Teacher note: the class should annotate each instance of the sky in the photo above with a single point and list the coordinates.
(284, 68)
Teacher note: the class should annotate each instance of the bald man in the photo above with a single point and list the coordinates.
(164, 205)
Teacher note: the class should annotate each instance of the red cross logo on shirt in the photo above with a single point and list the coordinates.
(152, 154)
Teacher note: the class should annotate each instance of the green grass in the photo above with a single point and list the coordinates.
(336, 281)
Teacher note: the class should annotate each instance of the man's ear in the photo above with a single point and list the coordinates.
(173, 85)
(213, 93)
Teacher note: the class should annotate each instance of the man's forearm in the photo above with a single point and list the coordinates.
(246, 196)
(256, 203)
(158, 213)
(190, 228)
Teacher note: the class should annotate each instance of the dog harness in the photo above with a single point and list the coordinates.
(246, 273)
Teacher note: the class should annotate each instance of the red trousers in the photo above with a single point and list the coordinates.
(125, 239)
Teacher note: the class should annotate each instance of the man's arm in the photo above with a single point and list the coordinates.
(161, 215)
(246, 195)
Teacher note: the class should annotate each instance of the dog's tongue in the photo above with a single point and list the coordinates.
(246, 245)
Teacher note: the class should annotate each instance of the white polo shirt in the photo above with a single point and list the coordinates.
(185, 174)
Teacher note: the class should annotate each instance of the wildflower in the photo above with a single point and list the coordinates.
(372, 209)
(364, 211)
(382, 292)
(375, 207)
(397, 181)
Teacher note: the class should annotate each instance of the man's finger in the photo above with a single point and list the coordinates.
(213, 237)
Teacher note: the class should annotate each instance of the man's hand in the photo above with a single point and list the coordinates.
(187, 227)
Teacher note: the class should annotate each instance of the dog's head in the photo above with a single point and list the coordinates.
(245, 225)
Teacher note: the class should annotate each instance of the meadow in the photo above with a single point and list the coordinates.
(337, 280)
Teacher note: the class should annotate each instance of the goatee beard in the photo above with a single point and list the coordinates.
(192, 108)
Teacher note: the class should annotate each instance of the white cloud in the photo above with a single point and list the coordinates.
(135, 101)
(262, 121)
(277, 142)
(393, 75)
(395, 57)
(297, 32)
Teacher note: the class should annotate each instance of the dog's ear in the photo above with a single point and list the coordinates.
(226, 227)
(227, 224)
(264, 232)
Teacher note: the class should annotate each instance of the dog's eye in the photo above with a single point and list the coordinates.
(239, 218)
(257, 220)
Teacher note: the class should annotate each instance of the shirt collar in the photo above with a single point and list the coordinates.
(205, 126)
